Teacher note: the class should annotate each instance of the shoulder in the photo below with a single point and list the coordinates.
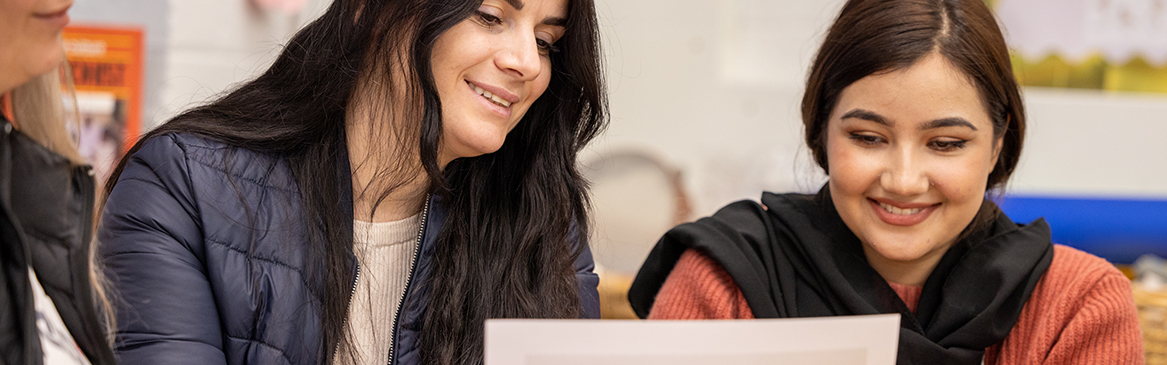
(730, 232)
(1082, 311)
(176, 147)
(205, 160)
(699, 288)
(1078, 281)
(1073, 268)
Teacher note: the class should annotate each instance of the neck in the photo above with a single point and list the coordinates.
(389, 183)
(910, 272)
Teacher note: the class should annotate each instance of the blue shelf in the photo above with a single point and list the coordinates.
(1118, 230)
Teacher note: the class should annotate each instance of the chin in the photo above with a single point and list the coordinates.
(488, 145)
(906, 249)
(51, 57)
(478, 147)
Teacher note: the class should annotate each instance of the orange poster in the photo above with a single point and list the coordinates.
(107, 71)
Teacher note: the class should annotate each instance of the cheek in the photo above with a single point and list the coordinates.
(963, 181)
(537, 87)
(455, 51)
(852, 170)
(11, 13)
(544, 79)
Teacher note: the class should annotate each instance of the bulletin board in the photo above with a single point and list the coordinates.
(106, 65)
(1114, 45)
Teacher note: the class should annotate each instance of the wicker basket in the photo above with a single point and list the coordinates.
(1153, 320)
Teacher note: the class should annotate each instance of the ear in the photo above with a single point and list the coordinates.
(999, 143)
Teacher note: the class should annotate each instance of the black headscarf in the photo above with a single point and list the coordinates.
(798, 259)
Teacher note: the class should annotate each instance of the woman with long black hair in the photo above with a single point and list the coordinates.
(356, 203)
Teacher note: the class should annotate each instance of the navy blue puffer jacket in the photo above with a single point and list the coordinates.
(205, 248)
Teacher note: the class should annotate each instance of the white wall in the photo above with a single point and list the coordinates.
(1085, 143)
(693, 81)
(711, 85)
(714, 87)
(217, 43)
(197, 48)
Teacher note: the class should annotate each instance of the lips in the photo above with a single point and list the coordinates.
(489, 96)
(898, 214)
(58, 18)
(494, 99)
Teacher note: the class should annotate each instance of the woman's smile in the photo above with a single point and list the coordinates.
(901, 214)
(495, 99)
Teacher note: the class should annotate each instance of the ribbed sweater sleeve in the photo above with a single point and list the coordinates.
(699, 288)
(1081, 312)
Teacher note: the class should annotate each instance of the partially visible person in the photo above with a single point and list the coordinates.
(49, 297)
(912, 109)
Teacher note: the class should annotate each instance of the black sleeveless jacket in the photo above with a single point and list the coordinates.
(46, 214)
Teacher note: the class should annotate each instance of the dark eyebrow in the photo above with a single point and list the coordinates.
(939, 123)
(867, 115)
(555, 21)
(948, 122)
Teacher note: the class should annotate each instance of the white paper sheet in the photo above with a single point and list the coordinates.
(852, 340)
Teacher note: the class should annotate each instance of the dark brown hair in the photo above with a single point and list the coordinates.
(878, 36)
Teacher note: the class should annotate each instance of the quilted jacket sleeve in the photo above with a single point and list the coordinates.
(589, 282)
(151, 242)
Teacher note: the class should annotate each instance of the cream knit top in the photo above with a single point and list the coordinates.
(384, 252)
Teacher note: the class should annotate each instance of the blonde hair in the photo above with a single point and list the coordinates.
(38, 108)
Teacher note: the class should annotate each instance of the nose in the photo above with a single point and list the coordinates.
(905, 175)
(520, 56)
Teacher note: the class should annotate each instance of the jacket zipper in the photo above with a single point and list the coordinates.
(351, 295)
(425, 211)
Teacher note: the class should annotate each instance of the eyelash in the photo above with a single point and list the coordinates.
(545, 48)
(489, 19)
(947, 146)
(866, 140)
(941, 146)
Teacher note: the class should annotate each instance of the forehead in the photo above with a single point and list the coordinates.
(538, 8)
(929, 89)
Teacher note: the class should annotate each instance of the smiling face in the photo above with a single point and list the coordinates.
(30, 39)
(490, 68)
(909, 153)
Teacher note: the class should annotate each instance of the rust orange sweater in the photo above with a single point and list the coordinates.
(1081, 312)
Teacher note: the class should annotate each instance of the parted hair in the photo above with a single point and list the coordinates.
(879, 36)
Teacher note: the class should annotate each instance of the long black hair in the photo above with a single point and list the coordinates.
(504, 250)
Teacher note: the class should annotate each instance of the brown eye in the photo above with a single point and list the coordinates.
(488, 19)
(546, 47)
(948, 146)
(865, 139)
